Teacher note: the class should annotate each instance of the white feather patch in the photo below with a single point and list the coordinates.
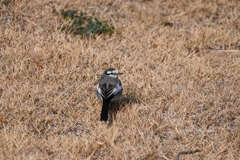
(112, 75)
(99, 90)
(115, 71)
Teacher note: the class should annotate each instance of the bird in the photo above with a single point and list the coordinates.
(109, 88)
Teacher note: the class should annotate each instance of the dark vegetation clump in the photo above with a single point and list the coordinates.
(6, 3)
(87, 26)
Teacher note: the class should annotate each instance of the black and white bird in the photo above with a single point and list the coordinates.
(109, 88)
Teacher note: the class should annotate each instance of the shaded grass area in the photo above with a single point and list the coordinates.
(181, 79)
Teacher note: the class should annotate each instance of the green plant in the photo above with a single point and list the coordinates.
(5, 3)
(87, 26)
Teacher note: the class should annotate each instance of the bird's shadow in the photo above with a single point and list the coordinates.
(119, 105)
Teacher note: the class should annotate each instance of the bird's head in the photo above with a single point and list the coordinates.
(112, 72)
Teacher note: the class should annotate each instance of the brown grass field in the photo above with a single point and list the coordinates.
(181, 65)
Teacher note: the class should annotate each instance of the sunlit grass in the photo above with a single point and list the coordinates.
(180, 61)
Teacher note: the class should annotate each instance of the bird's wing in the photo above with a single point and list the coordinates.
(107, 88)
(116, 89)
(101, 90)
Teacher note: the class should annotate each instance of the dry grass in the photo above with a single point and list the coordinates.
(181, 65)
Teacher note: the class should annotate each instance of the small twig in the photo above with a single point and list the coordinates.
(91, 155)
(186, 152)
(164, 156)
(223, 50)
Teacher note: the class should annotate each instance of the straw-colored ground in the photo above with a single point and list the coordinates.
(181, 65)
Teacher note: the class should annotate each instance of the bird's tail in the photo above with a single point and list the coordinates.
(105, 108)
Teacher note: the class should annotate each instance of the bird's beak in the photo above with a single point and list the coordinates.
(119, 73)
